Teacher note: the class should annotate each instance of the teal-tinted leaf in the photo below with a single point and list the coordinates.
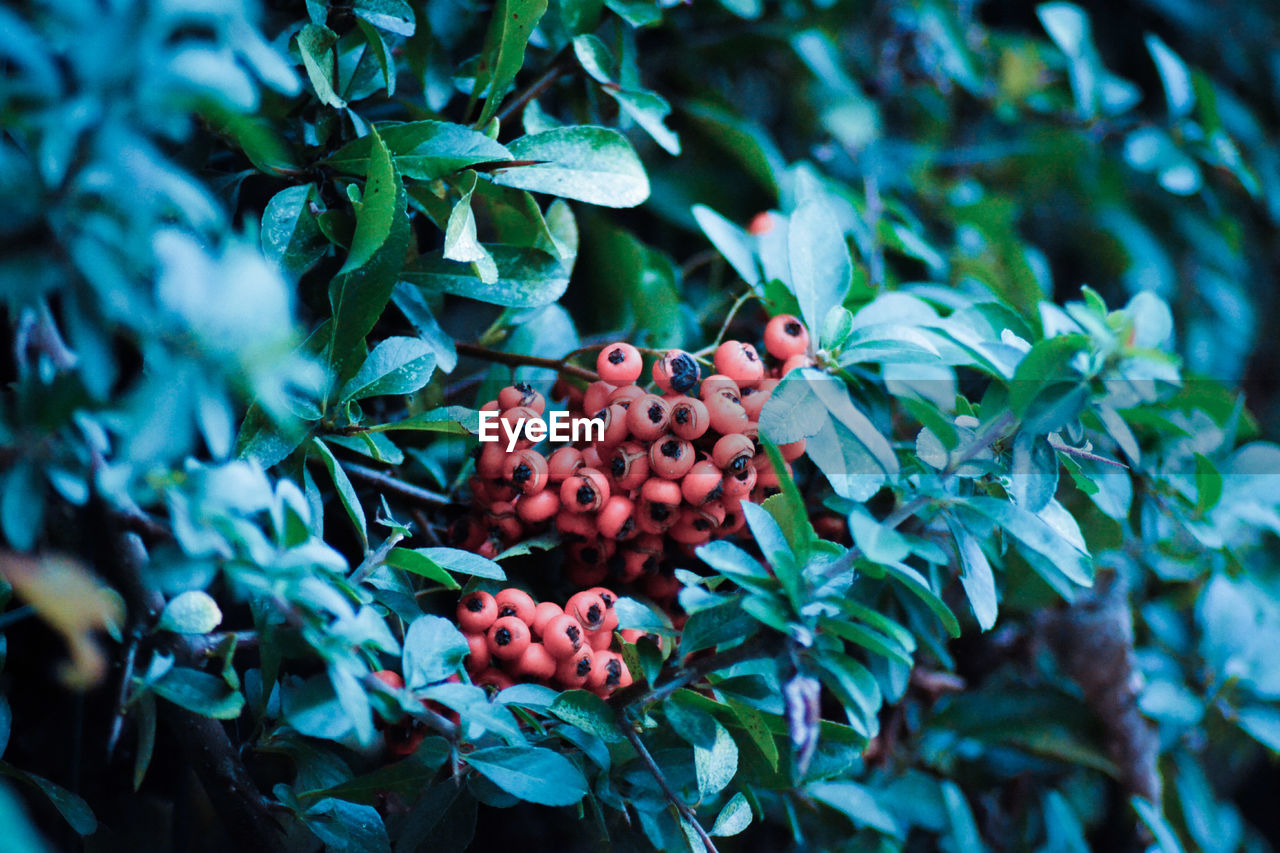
(205, 694)
(406, 777)
(856, 688)
(531, 773)
(918, 585)
(22, 506)
(1037, 537)
(1263, 725)
(733, 818)
(637, 13)
(74, 810)
(867, 638)
(377, 45)
(433, 651)
(821, 270)
(396, 366)
(345, 826)
(464, 562)
(879, 543)
(361, 289)
(422, 150)
(588, 712)
(1048, 363)
(352, 697)
(731, 241)
(1178, 91)
(650, 111)
(715, 765)
(394, 16)
(316, 46)
(346, 492)
(411, 561)
(290, 235)
(976, 576)
(1166, 838)
(964, 830)
(721, 623)
(526, 278)
(191, 612)
(592, 164)
(857, 803)
(1033, 474)
(730, 560)
(509, 30)
(1209, 483)
(145, 721)
(1063, 830)
(413, 304)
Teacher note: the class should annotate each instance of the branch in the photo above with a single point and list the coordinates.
(375, 558)
(517, 360)
(536, 88)
(682, 676)
(395, 485)
(667, 791)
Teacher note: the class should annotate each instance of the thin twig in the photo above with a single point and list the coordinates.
(1084, 454)
(694, 672)
(544, 82)
(672, 797)
(517, 360)
(724, 327)
(395, 485)
(375, 558)
(122, 695)
(875, 208)
(984, 439)
(431, 719)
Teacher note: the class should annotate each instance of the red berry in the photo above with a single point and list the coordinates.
(585, 491)
(615, 520)
(540, 507)
(476, 612)
(563, 636)
(702, 483)
(671, 457)
(521, 394)
(536, 663)
(785, 336)
(478, 658)
(689, 418)
(588, 608)
(676, 372)
(526, 470)
(629, 466)
(508, 638)
(740, 362)
(573, 671)
(517, 603)
(563, 464)
(619, 363)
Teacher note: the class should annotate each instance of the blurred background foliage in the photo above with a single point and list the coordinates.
(182, 186)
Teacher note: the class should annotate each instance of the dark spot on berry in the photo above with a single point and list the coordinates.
(793, 329)
(684, 373)
(608, 599)
(506, 610)
(715, 493)
(743, 474)
(574, 635)
(521, 473)
(750, 353)
(681, 415)
(502, 636)
(524, 387)
(738, 464)
(650, 565)
(613, 670)
(670, 449)
(659, 512)
(593, 614)
(655, 413)
(474, 604)
(586, 494)
(701, 524)
(618, 466)
(617, 356)
(625, 531)
(589, 555)
(583, 668)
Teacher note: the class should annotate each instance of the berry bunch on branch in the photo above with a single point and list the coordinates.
(666, 471)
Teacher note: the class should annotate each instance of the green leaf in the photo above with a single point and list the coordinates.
(868, 639)
(457, 420)
(821, 271)
(144, 713)
(877, 542)
(976, 576)
(347, 826)
(1263, 725)
(362, 288)
(1064, 833)
(856, 689)
(1047, 363)
(460, 243)
(422, 150)
(1209, 482)
(730, 560)
(290, 235)
(754, 724)
(411, 561)
(857, 803)
(1166, 839)
(346, 492)
(316, 46)
(534, 774)
(919, 586)
(464, 562)
(191, 612)
(526, 278)
(433, 651)
(406, 777)
(509, 30)
(394, 16)
(720, 623)
(592, 164)
(715, 765)
(396, 366)
(589, 713)
(733, 818)
(205, 694)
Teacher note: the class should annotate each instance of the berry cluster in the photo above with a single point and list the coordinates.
(671, 471)
(512, 639)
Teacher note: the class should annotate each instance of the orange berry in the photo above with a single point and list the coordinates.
(785, 336)
(517, 603)
(476, 612)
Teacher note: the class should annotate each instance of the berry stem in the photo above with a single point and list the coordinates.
(724, 327)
